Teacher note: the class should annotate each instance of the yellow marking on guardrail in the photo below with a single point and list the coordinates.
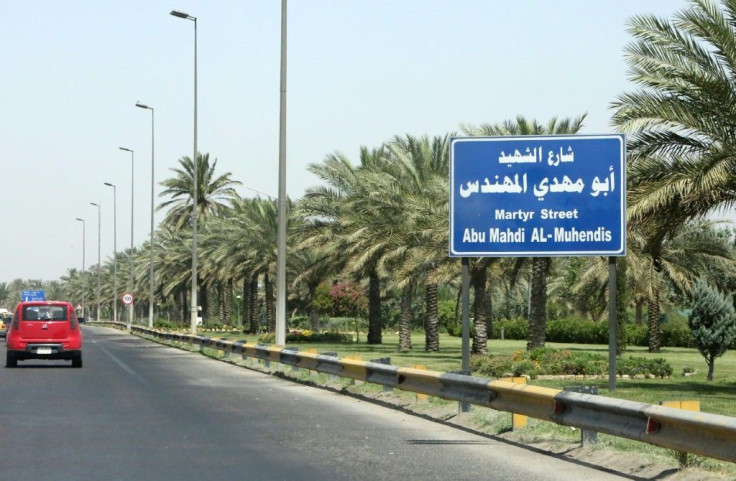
(354, 368)
(686, 405)
(517, 420)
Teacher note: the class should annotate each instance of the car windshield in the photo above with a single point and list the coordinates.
(44, 313)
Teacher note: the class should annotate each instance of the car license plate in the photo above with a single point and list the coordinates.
(43, 350)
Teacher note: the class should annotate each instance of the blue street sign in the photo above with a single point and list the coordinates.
(32, 296)
(538, 196)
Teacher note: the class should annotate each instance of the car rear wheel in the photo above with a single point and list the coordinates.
(10, 361)
(77, 361)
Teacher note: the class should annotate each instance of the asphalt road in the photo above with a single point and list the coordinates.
(142, 411)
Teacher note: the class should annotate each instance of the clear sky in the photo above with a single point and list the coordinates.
(359, 72)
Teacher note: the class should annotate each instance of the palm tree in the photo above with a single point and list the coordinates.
(4, 293)
(680, 121)
(242, 244)
(214, 194)
(540, 265)
(333, 221)
(414, 186)
(677, 257)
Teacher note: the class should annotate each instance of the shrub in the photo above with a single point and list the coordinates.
(637, 335)
(308, 337)
(300, 322)
(642, 366)
(548, 361)
(677, 334)
(514, 329)
(165, 325)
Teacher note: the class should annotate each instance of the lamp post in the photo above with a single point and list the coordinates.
(282, 225)
(99, 260)
(84, 283)
(132, 183)
(150, 294)
(114, 250)
(193, 318)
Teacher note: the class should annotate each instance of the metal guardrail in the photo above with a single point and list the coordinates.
(705, 434)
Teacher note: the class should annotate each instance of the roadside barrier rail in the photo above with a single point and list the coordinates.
(705, 434)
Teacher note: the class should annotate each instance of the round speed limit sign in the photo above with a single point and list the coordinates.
(127, 298)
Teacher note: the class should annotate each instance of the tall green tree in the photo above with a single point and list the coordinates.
(682, 150)
(712, 323)
(214, 195)
(332, 221)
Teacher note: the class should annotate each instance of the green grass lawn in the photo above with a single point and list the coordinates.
(718, 396)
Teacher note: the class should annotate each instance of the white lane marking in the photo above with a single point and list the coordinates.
(124, 366)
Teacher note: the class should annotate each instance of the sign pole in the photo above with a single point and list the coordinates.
(612, 324)
(465, 295)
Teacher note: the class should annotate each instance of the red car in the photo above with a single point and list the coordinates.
(44, 330)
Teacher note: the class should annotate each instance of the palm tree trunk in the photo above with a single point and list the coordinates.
(653, 315)
(221, 303)
(639, 310)
(478, 279)
(245, 305)
(212, 291)
(253, 304)
(406, 317)
(313, 312)
(432, 323)
(538, 310)
(228, 302)
(270, 307)
(181, 306)
(375, 326)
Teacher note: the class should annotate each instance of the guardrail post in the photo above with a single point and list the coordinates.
(387, 361)
(462, 407)
(517, 420)
(331, 377)
(356, 382)
(312, 350)
(290, 350)
(423, 398)
(587, 437)
(683, 458)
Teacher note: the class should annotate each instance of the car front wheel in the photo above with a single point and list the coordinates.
(10, 361)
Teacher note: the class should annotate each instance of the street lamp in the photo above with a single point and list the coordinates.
(150, 298)
(84, 286)
(193, 319)
(99, 260)
(132, 183)
(115, 250)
